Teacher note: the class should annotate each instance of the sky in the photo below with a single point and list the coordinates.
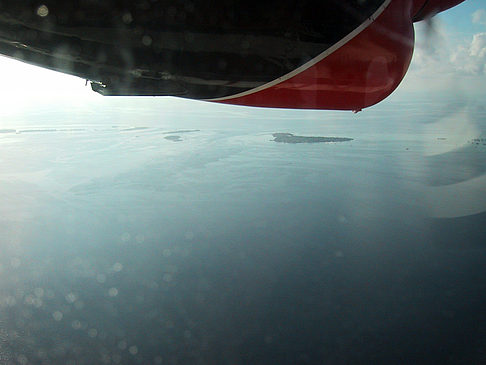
(453, 57)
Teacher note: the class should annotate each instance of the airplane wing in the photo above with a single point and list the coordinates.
(322, 54)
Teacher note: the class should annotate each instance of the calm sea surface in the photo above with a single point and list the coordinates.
(169, 232)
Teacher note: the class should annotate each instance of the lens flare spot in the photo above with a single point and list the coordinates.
(43, 11)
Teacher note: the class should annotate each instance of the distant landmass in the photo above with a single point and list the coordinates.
(478, 141)
(173, 138)
(183, 131)
(133, 129)
(290, 138)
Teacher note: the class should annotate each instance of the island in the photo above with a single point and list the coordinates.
(183, 131)
(131, 129)
(173, 138)
(478, 141)
(290, 138)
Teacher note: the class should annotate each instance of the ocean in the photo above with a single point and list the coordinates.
(164, 231)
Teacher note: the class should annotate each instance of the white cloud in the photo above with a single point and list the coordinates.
(478, 45)
(479, 17)
(432, 50)
(471, 58)
(435, 55)
(443, 61)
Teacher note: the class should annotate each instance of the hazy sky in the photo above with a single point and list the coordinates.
(454, 58)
